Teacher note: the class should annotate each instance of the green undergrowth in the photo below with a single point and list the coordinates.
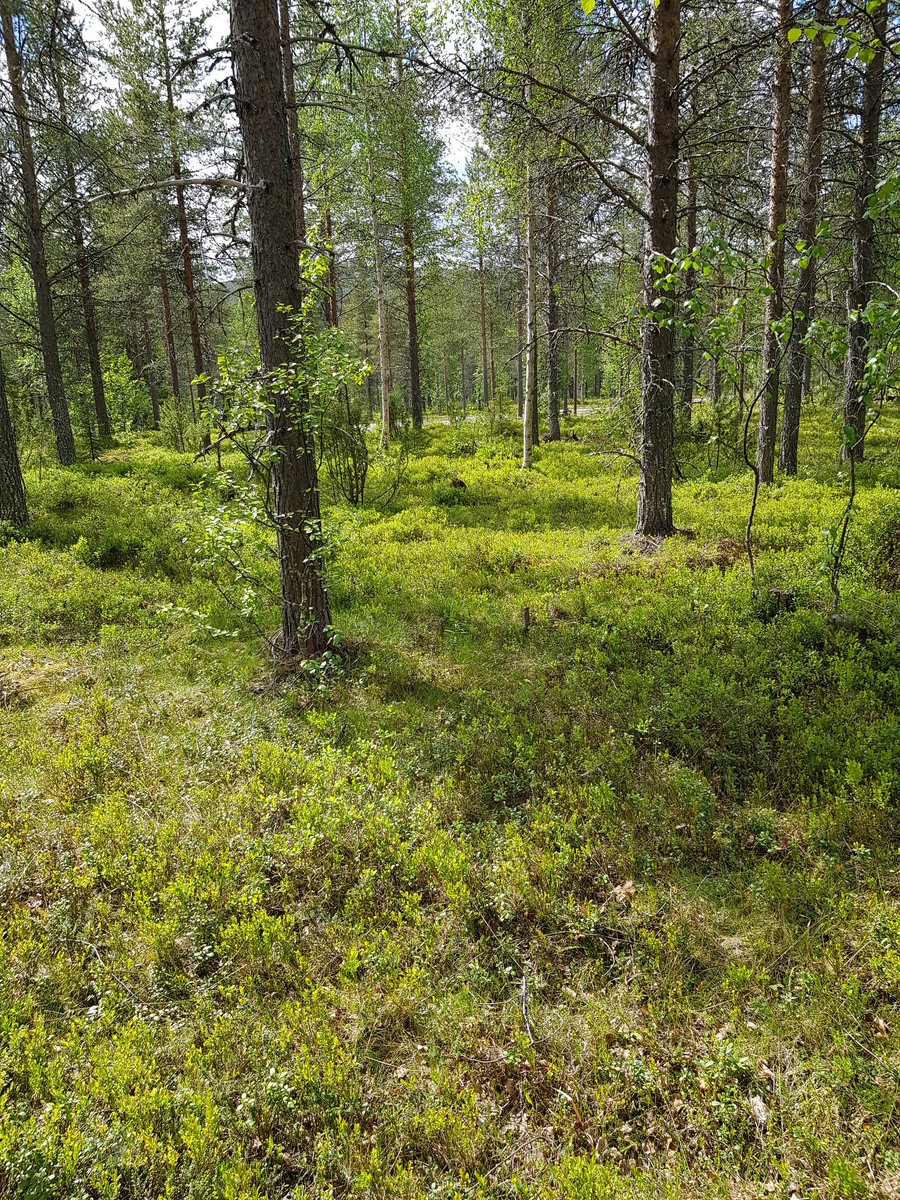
(604, 907)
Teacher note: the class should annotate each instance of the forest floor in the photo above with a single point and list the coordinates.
(607, 908)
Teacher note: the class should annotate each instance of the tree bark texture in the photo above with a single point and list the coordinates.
(772, 347)
(34, 232)
(12, 490)
(259, 101)
(654, 514)
(862, 264)
(293, 127)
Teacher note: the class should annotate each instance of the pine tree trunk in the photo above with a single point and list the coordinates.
(332, 270)
(293, 127)
(686, 403)
(151, 366)
(574, 377)
(259, 102)
(493, 367)
(81, 263)
(462, 375)
(530, 405)
(12, 490)
(190, 290)
(863, 254)
(384, 343)
(34, 231)
(771, 358)
(654, 515)
(809, 208)
(169, 332)
(485, 388)
(520, 386)
(409, 264)
(552, 320)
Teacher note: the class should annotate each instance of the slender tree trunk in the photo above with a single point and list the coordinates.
(686, 404)
(34, 232)
(446, 386)
(809, 208)
(485, 389)
(520, 387)
(332, 270)
(742, 349)
(409, 264)
(259, 101)
(12, 490)
(293, 128)
(528, 408)
(771, 359)
(151, 365)
(654, 515)
(575, 377)
(169, 333)
(552, 320)
(862, 265)
(493, 369)
(462, 375)
(190, 290)
(384, 344)
(81, 263)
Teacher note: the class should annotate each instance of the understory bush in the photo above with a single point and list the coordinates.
(604, 903)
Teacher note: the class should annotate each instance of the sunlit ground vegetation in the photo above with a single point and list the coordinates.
(607, 906)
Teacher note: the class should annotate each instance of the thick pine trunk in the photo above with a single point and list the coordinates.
(654, 515)
(259, 101)
(552, 319)
(34, 232)
(863, 255)
(772, 351)
(293, 128)
(809, 208)
(12, 490)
